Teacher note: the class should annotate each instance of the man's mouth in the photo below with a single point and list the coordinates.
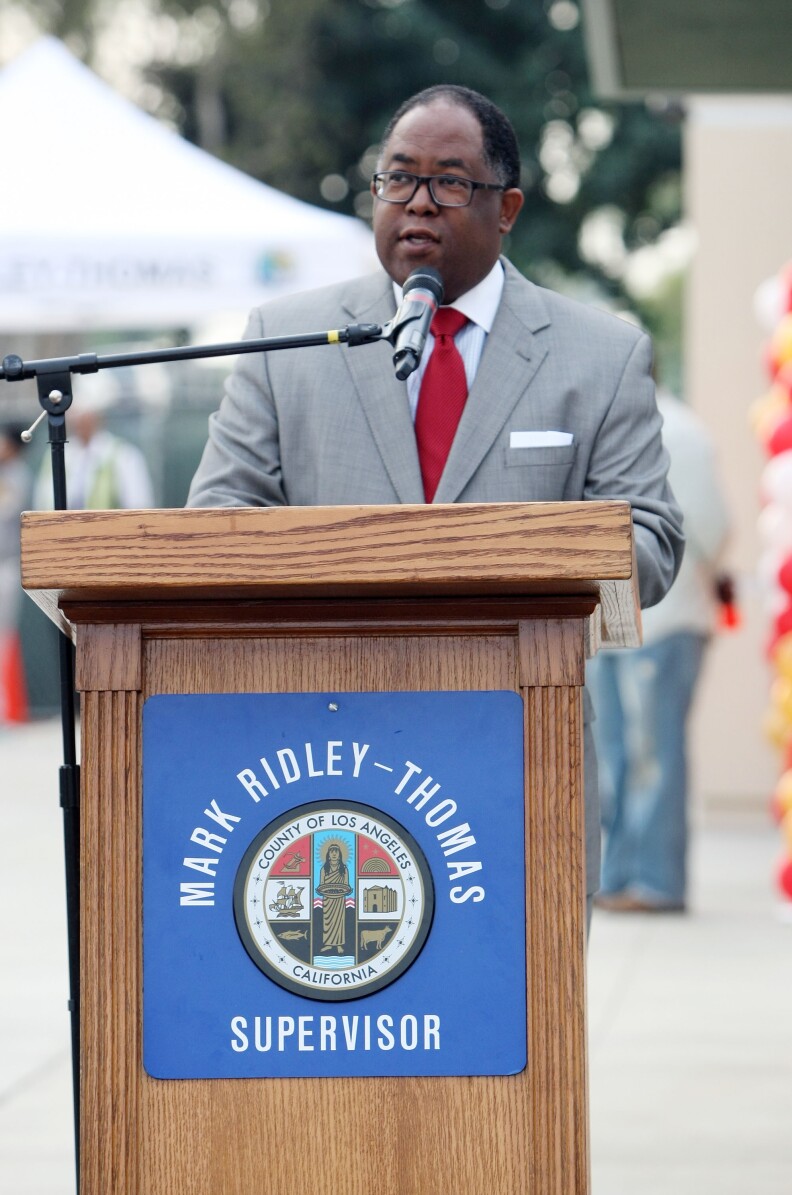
(418, 236)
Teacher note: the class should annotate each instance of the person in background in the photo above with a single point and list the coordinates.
(15, 490)
(103, 471)
(642, 698)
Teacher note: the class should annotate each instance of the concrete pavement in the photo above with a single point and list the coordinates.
(36, 1135)
(690, 1031)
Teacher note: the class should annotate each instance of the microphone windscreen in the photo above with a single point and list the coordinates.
(426, 278)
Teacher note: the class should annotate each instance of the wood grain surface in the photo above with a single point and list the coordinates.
(475, 1136)
(342, 600)
(283, 550)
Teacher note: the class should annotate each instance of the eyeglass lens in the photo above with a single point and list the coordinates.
(445, 189)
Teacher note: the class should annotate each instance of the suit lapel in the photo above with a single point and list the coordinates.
(511, 358)
(383, 398)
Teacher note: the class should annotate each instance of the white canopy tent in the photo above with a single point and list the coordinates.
(110, 220)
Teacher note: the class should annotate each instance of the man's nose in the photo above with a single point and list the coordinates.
(422, 200)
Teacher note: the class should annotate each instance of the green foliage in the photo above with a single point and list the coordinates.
(294, 91)
(662, 317)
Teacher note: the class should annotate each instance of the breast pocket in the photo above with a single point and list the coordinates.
(556, 454)
(538, 474)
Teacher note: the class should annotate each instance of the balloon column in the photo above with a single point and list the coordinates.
(772, 421)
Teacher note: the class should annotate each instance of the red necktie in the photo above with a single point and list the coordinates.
(441, 400)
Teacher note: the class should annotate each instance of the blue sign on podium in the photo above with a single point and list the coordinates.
(333, 884)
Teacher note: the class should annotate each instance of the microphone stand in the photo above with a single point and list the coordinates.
(54, 382)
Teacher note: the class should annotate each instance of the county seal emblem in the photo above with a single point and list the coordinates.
(333, 900)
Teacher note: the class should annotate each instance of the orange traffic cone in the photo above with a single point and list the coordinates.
(13, 690)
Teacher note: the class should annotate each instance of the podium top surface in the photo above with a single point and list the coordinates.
(225, 554)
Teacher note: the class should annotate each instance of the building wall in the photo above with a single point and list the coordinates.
(738, 180)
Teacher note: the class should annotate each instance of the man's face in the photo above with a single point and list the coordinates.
(461, 243)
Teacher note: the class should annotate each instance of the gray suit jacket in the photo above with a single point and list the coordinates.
(332, 426)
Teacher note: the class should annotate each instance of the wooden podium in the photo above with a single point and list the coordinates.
(459, 597)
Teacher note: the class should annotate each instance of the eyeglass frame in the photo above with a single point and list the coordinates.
(428, 179)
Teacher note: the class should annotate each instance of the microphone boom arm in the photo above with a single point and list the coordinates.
(14, 369)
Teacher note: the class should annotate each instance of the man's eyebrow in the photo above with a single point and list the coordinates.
(443, 163)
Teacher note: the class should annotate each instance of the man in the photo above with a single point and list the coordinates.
(643, 698)
(560, 404)
(103, 471)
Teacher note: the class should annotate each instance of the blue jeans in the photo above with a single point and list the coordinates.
(642, 699)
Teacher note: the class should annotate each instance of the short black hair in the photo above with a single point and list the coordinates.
(501, 152)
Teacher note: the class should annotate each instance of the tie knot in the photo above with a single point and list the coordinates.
(447, 321)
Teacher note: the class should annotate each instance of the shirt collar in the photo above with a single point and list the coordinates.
(480, 303)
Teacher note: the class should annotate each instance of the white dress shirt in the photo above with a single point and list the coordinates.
(480, 305)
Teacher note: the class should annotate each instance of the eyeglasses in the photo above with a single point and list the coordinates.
(447, 190)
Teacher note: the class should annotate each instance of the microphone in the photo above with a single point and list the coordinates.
(422, 295)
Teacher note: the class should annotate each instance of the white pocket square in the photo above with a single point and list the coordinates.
(539, 439)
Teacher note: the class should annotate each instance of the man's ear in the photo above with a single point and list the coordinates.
(511, 202)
